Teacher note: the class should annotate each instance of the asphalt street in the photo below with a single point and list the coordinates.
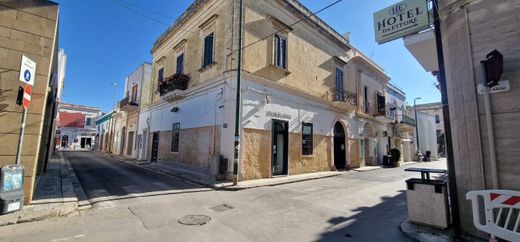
(134, 204)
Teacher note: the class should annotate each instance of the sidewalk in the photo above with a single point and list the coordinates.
(56, 195)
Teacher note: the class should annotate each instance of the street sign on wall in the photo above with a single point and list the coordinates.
(401, 19)
(27, 71)
(502, 86)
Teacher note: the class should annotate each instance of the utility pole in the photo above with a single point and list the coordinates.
(417, 127)
(452, 180)
(236, 163)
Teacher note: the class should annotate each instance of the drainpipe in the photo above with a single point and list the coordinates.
(236, 164)
(489, 127)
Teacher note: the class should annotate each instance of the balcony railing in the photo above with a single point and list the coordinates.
(127, 103)
(405, 119)
(342, 95)
(172, 83)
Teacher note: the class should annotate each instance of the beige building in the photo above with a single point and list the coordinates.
(303, 105)
(28, 28)
(485, 144)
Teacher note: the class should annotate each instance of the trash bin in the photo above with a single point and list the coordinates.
(428, 199)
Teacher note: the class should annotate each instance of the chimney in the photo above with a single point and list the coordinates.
(347, 37)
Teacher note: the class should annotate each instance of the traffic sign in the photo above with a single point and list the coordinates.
(26, 96)
(27, 71)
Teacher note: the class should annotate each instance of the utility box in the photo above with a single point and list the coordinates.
(11, 188)
(428, 199)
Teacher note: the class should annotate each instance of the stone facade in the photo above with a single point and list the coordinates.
(27, 28)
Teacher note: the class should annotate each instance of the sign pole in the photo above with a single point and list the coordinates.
(20, 141)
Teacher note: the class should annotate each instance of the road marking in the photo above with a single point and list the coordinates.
(105, 205)
(70, 237)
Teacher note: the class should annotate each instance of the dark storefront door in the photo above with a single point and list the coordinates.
(340, 160)
(280, 141)
(155, 146)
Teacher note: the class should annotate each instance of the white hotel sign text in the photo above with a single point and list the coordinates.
(401, 19)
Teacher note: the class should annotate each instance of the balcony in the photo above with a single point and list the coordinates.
(342, 99)
(127, 104)
(383, 115)
(172, 88)
(405, 123)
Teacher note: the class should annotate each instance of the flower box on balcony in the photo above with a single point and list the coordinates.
(177, 81)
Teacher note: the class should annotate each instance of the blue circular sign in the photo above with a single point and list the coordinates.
(27, 76)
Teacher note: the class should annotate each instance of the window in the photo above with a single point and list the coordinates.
(180, 64)
(307, 133)
(208, 49)
(176, 129)
(437, 119)
(367, 104)
(280, 51)
(88, 122)
(339, 78)
(134, 93)
(381, 104)
(160, 76)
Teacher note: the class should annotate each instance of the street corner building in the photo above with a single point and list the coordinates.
(28, 28)
(76, 129)
(310, 102)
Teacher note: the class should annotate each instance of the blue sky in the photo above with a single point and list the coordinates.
(105, 42)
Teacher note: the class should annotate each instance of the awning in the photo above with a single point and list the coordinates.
(105, 118)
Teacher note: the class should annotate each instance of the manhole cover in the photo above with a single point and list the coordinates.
(222, 208)
(194, 220)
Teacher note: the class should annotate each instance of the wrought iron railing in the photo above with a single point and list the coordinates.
(126, 102)
(172, 83)
(342, 95)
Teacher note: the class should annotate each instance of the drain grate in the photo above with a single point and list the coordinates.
(194, 220)
(222, 208)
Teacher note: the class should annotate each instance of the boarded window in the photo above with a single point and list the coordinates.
(180, 64)
(176, 130)
(208, 50)
(280, 51)
(307, 138)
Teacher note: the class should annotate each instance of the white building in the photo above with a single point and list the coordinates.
(76, 126)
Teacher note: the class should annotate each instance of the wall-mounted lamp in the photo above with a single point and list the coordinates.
(175, 109)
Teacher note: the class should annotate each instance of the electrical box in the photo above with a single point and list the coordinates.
(11, 188)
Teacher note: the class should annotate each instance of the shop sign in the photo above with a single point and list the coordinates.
(279, 115)
(401, 19)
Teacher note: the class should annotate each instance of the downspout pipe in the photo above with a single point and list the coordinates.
(452, 180)
(489, 127)
(236, 163)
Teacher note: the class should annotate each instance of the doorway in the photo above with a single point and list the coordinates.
(83, 142)
(64, 141)
(123, 137)
(155, 146)
(340, 160)
(88, 143)
(130, 146)
(280, 142)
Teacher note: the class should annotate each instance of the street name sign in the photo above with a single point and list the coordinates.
(27, 71)
(26, 96)
(503, 86)
(401, 19)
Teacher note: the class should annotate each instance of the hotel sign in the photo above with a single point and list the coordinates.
(401, 19)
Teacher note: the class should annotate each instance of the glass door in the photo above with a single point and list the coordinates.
(280, 147)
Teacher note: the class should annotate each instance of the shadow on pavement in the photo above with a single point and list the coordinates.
(377, 223)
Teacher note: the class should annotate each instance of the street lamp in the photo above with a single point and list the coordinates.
(115, 91)
(417, 127)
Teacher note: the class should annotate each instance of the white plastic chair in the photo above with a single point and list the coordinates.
(501, 213)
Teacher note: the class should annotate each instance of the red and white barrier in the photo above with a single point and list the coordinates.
(501, 213)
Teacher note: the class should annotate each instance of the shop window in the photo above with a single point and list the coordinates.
(176, 130)
(307, 139)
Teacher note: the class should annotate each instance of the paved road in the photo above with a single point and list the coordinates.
(132, 204)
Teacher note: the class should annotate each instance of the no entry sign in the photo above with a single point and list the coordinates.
(26, 96)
